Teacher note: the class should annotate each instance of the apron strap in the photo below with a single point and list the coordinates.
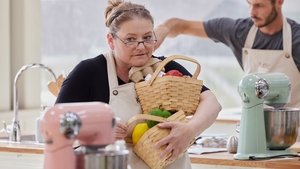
(287, 37)
(250, 37)
(111, 71)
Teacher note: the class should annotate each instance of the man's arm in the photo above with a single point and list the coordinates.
(176, 26)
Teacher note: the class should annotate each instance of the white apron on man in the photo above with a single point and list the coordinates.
(123, 101)
(265, 61)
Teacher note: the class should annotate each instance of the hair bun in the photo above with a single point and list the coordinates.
(112, 4)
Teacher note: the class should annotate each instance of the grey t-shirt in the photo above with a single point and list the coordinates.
(233, 33)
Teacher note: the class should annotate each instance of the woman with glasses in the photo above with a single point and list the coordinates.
(105, 78)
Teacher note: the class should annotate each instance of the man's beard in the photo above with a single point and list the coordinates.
(270, 18)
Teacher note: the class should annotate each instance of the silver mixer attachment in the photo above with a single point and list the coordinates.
(275, 105)
(92, 149)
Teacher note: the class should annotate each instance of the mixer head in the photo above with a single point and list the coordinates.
(91, 123)
(270, 88)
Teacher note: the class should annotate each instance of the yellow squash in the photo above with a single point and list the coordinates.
(138, 132)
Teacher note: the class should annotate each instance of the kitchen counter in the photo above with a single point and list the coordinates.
(25, 147)
(218, 160)
(29, 155)
(226, 159)
(25, 155)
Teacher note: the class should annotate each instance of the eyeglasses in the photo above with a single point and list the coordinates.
(149, 41)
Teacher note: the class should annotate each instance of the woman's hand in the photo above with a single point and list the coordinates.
(182, 134)
(120, 131)
(177, 141)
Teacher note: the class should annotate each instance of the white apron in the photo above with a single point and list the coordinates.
(120, 98)
(264, 61)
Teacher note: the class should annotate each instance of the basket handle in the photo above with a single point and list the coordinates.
(169, 59)
(141, 118)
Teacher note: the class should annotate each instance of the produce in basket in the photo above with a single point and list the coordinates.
(157, 112)
(138, 132)
(138, 74)
(144, 147)
(174, 73)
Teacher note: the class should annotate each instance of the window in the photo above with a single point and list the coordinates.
(73, 31)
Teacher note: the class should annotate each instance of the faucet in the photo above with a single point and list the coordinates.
(15, 132)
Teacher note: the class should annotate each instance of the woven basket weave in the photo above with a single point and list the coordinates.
(144, 148)
(170, 92)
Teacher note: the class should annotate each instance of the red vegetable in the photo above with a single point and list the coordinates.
(174, 73)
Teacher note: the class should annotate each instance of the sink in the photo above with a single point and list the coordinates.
(25, 139)
(27, 145)
(30, 137)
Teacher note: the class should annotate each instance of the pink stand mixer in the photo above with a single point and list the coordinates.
(91, 124)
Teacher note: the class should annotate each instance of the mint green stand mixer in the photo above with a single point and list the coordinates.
(272, 89)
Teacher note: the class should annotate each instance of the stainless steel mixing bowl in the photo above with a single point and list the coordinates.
(101, 158)
(281, 127)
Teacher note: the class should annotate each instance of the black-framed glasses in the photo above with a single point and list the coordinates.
(149, 41)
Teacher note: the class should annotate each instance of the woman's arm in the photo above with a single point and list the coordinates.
(182, 134)
(206, 113)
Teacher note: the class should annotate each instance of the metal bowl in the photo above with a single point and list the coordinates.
(101, 159)
(281, 127)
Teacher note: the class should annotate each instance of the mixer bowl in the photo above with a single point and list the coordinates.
(102, 159)
(281, 127)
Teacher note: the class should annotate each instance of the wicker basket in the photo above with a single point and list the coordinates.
(171, 93)
(144, 147)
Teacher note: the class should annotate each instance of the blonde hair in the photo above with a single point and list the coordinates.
(118, 12)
